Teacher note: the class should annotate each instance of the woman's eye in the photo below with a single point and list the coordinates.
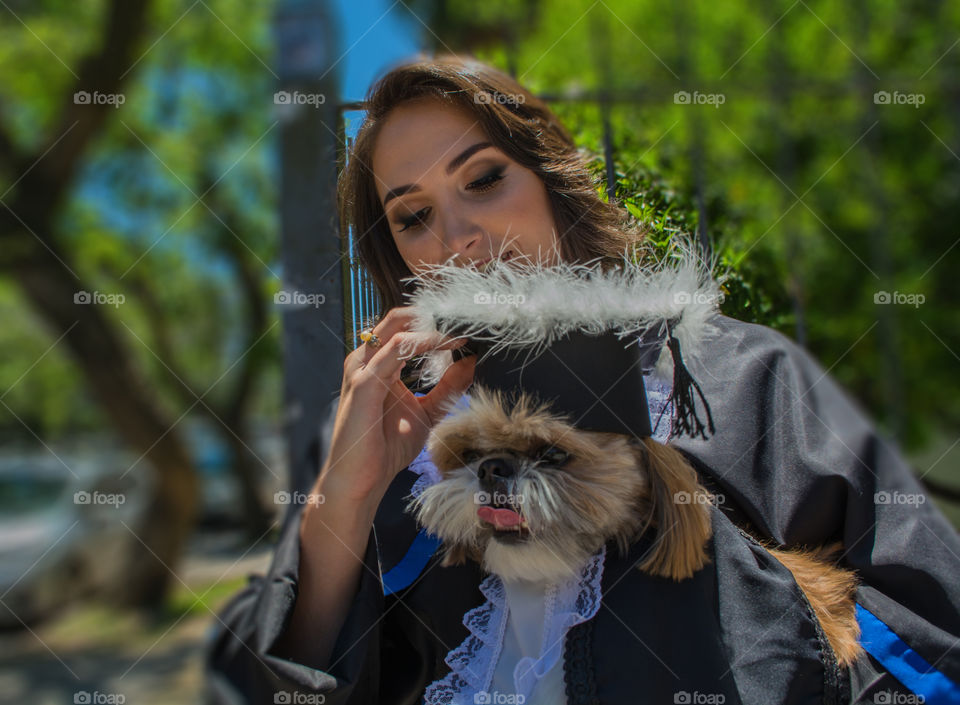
(413, 221)
(552, 455)
(487, 182)
(481, 185)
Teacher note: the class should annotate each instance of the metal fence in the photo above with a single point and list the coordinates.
(361, 300)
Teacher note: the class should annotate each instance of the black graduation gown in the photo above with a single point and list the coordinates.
(802, 465)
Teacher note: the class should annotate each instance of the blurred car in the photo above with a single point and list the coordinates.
(62, 517)
(220, 499)
(62, 532)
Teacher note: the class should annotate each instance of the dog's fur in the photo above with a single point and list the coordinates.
(611, 487)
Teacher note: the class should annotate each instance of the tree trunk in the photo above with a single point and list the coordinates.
(106, 364)
(246, 470)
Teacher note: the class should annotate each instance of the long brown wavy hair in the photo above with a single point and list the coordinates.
(524, 128)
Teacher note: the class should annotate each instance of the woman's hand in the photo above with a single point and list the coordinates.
(381, 426)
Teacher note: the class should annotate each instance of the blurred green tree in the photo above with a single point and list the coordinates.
(815, 145)
(134, 163)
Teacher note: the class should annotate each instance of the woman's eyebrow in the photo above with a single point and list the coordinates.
(454, 164)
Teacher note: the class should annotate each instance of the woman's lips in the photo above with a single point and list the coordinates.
(483, 264)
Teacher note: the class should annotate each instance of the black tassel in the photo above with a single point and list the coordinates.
(685, 419)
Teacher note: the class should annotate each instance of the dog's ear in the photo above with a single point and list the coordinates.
(679, 510)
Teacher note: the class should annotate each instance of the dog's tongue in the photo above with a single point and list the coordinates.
(500, 518)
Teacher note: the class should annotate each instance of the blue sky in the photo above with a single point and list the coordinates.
(373, 38)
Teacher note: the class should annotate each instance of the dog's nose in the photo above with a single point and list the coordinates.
(493, 468)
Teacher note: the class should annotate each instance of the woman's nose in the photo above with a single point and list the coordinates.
(463, 235)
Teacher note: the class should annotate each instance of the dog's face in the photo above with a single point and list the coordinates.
(529, 496)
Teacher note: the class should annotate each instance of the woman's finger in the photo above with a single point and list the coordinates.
(395, 320)
(455, 381)
(390, 358)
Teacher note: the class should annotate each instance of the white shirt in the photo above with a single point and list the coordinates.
(522, 649)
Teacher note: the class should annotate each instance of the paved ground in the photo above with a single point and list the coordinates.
(96, 655)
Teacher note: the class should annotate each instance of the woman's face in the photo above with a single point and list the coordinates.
(448, 192)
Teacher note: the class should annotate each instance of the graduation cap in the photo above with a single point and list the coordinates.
(597, 380)
(579, 336)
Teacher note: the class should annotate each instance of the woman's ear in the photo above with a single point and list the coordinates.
(679, 511)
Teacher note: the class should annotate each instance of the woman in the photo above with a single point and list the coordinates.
(456, 160)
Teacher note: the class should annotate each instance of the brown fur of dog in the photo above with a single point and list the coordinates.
(614, 487)
(830, 591)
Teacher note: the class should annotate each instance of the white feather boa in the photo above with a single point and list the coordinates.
(529, 305)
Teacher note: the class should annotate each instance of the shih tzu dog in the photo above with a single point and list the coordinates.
(554, 456)
(529, 496)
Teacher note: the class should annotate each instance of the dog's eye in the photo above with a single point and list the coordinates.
(553, 455)
(470, 456)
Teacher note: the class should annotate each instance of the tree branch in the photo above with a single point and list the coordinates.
(250, 283)
(103, 71)
(10, 155)
(162, 338)
(941, 490)
(234, 403)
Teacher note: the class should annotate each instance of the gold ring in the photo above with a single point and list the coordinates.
(370, 338)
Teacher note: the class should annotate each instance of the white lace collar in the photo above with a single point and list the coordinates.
(473, 662)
